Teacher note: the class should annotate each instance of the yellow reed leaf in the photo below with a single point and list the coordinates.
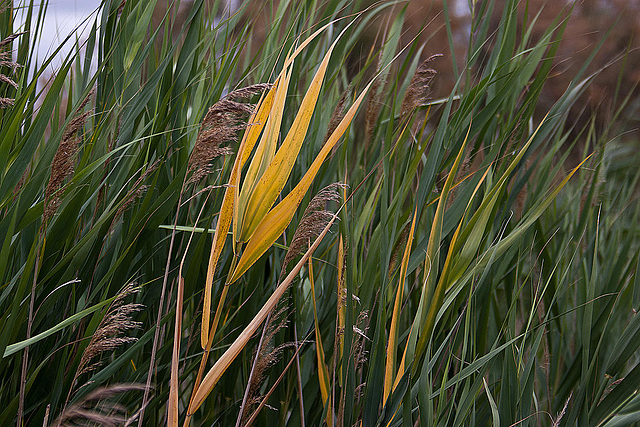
(272, 181)
(221, 365)
(262, 197)
(265, 151)
(256, 123)
(276, 221)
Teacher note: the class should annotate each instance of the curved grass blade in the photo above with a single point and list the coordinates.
(221, 365)
(393, 330)
(277, 220)
(256, 124)
(277, 173)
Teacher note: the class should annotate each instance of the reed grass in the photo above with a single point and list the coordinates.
(311, 242)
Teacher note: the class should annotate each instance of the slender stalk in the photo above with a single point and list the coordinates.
(298, 374)
(207, 350)
(154, 349)
(177, 336)
(272, 389)
(253, 368)
(25, 354)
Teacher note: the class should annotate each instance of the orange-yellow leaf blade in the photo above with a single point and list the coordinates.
(266, 147)
(393, 331)
(222, 364)
(275, 177)
(276, 221)
(172, 417)
(256, 123)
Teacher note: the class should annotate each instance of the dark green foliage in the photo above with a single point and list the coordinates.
(522, 288)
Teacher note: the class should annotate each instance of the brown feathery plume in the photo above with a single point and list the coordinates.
(373, 109)
(267, 355)
(556, 422)
(314, 219)
(220, 126)
(109, 334)
(336, 118)
(6, 79)
(249, 91)
(6, 102)
(5, 61)
(136, 191)
(64, 160)
(97, 409)
(398, 249)
(7, 40)
(418, 91)
(298, 346)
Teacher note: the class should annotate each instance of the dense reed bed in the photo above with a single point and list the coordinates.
(200, 228)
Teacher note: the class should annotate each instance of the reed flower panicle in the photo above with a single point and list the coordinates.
(6, 61)
(336, 118)
(268, 355)
(137, 190)
(110, 333)
(314, 219)
(219, 127)
(96, 408)
(64, 160)
(374, 103)
(418, 91)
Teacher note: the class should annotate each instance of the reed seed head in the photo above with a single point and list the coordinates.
(6, 102)
(6, 61)
(111, 332)
(64, 160)
(373, 109)
(220, 127)
(249, 91)
(314, 219)
(97, 408)
(418, 91)
(336, 117)
(7, 80)
(268, 356)
(137, 190)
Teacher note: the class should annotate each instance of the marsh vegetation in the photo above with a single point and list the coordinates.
(206, 221)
